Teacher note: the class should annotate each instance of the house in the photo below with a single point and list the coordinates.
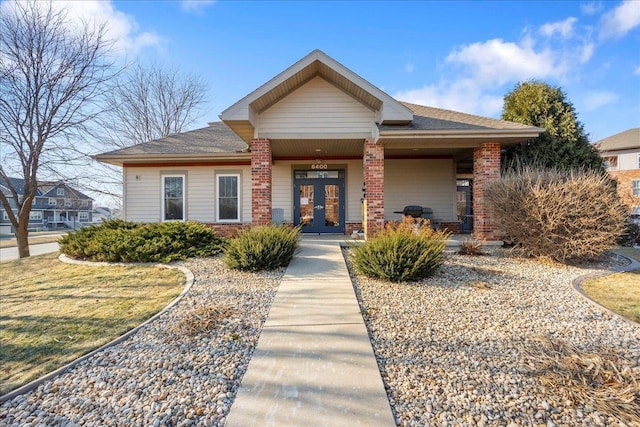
(57, 205)
(103, 213)
(320, 147)
(621, 155)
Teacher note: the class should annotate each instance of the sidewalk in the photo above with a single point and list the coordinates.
(314, 365)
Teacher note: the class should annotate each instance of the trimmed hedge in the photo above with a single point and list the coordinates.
(403, 252)
(122, 241)
(262, 248)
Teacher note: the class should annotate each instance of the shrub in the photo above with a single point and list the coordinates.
(630, 235)
(471, 247)
(562, 215)
(262, 248)
(121, 241)
(405, 251)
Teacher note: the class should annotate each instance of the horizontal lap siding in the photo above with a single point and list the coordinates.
(425, 182)
(282, 185)
(143, 194)
(317, 107)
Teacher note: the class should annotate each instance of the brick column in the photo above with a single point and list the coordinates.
(260, 181)
(373, 159)
(486, 169)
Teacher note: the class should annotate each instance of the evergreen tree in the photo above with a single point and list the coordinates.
(564, 145)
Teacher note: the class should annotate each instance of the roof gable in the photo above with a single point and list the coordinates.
(241, 116)
(628, 139)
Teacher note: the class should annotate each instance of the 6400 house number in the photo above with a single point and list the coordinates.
(319, 166)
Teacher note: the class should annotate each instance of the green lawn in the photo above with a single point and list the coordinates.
(52, 312)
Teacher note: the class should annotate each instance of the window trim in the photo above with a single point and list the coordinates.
(59, 191)
(51, 199)
(84, 203)
(81, 214)
(635, 188)
(35, 219)
(184, 196)
(238, 188)
(5, 216)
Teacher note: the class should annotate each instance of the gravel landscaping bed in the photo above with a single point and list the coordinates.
(450, 347)
(166, 374)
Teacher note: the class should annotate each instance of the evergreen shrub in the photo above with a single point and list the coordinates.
(262, 248)
(406, 251)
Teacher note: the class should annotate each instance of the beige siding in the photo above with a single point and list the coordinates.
(317, 107)
(429, 183)
(282, 186)
(143, 192)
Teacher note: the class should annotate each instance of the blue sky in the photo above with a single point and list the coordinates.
(458, 55)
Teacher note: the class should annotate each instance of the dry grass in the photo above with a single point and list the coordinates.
(619, 292)
(471, 247)
(599, 379)
(52, 313)
(201, 319)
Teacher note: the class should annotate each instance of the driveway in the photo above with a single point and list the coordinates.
(9, 254)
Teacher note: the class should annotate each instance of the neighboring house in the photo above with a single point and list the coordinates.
(621, 155)
(102, 213)
(57, 205)
(320, 147)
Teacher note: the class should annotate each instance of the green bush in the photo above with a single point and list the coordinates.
(562, 215)
(262, 248)
(121, 241)
(406, 251)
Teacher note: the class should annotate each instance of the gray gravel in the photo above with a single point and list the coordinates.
(448, 347)
(162, 376)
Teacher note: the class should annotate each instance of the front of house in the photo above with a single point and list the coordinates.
(320, 147)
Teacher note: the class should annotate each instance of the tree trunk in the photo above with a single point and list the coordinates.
(22, 237)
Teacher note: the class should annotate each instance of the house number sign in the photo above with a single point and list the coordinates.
(319, 166)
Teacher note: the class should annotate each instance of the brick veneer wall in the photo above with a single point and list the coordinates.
(453, 227)
(261, 181)
(350, 227)
(373, 159)
(486, 169)
(625, 186)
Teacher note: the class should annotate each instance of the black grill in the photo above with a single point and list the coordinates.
(411, 210)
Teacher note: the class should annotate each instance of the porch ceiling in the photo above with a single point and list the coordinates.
(316, 148)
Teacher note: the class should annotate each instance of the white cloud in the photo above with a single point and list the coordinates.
(619, 21)
(496, 62)
(196, 6)
(409, 68)
(586, 52)
(594, 100)
(121, 28)
(637, 71)
(563, 28)
(591, 8)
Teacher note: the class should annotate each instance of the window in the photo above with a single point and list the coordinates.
(59, 191)
(611, 162)
(52, 202)
(67, 202)
(635, 184)
(227, 197)
(173, 198)
(35, 216)
(5, 216)
(85, 204)
(83, 216)
(638, 161)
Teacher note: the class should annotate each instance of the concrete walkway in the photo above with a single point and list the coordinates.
(314, 365)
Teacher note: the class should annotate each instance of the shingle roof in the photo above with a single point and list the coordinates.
(215, 138)
(620, 141)
(430, 118)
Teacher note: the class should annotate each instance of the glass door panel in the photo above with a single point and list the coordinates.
(332, 205)
(306, 205)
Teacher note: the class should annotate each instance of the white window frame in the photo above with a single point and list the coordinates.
(184, 196)
(607, 163)
(635, 187)
(85, 204)
(238, 187)
(83, 214)
(67, 203)
(638, 165)
(37, 214)
(59, 191)
(52, 202)
(5, 216)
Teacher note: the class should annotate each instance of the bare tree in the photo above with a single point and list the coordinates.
(52, 76)
(151, 102)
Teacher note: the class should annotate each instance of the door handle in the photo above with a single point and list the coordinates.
(318, 207)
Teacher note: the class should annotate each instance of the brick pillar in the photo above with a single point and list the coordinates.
(261, 181)
(374, 187)
(486, 169)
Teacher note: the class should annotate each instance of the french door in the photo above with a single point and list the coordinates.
(319, 205)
